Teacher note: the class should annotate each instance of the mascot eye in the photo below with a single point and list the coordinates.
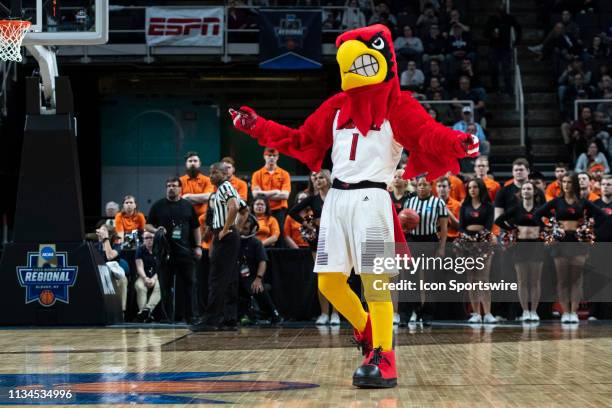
(378, 43)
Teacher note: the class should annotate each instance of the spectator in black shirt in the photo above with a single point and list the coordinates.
(498, 30)
(426, 20)
(447, 21)
(458, 46)
(177, 219)
(146, 268)
(507, 197)
(467, 69)
(466, 92)
(434, 45)
(435, 71)
(565, 26)
(252, 262)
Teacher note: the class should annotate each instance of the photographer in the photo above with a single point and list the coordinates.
(146, 268)
(109, 248)
(177, 220)
(252, 261)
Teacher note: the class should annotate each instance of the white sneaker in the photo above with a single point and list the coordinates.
(534, 316)
(335, 319)
(489, 319)
(322, 320)
(476, 318)
(396, 319)
(413, 317)
(574, 318)
(537, 49)
(592, 318)
(565, 318)
(525, 317)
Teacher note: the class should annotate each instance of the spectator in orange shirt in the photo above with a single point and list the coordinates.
(240, 185)
(129, 221)
(269, 230)
(596, 170)
(554, 189)
(457, 188)
(481, 170)
(274, 183)
(196, 186)
(584, 179)
(293, 236)
(443, 188)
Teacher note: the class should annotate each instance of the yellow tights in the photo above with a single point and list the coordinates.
(336, 289)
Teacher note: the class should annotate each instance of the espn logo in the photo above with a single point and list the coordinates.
(184, 26)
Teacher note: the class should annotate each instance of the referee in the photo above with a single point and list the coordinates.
(433, 218)
(224, 207)
(432, 212)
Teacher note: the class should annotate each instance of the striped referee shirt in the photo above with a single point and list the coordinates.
(218, 204)
(429, 211)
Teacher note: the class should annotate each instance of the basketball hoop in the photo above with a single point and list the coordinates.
(11, 36)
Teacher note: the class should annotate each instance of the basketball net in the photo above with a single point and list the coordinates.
(11, 36)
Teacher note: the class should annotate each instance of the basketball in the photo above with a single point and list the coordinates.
(46, 297)
(409, 219)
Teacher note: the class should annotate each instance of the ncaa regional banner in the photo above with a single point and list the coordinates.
(290, 38)
(187, 27)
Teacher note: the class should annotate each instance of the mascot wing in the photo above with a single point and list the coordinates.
(309, 143)
(434, 148)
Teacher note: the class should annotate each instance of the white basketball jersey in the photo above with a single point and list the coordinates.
(359, 158)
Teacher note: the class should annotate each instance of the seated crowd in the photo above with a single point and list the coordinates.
(579, 43)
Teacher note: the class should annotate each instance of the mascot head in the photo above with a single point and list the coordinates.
(366, 57)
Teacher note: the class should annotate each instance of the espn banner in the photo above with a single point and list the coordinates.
(184, 27)
(290, 38)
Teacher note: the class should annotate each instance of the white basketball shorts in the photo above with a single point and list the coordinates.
(356, 227)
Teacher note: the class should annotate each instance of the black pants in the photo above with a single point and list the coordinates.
(223, 280)
(263, 298)
(184, 268)
(202, 268)
(280, 215)
(501, 57)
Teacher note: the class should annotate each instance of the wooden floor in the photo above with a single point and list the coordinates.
(446, 365)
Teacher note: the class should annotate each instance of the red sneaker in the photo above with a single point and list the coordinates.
(378, 372)
(363, 339)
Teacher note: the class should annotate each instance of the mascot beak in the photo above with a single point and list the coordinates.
(360, 65)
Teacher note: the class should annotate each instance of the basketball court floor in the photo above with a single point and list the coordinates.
(445, 365)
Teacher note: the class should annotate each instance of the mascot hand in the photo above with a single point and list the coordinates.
(244, 119)
(471, 144)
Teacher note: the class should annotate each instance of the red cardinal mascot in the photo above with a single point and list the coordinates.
(366, 126)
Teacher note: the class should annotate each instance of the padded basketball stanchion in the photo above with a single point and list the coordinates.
(49, 274)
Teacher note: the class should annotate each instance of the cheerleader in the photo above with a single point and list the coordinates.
(570, 211)
(310, 231)
(475, 223)
(527, 256)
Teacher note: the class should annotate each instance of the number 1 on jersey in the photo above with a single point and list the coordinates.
(354, 146)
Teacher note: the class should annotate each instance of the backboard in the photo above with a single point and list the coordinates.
(62, 22)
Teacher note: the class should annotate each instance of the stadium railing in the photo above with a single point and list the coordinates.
(589, 102)
(519, 95)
